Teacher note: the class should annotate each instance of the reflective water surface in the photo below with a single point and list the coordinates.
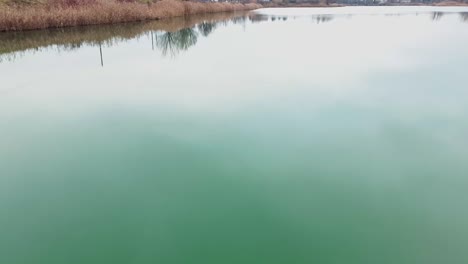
(277, 136)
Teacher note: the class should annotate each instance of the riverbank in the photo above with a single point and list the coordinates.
(67, 13)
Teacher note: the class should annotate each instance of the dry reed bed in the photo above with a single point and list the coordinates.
(104, 12)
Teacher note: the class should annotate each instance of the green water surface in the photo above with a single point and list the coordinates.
(284, 136)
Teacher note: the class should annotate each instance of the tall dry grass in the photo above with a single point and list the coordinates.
(65, 13)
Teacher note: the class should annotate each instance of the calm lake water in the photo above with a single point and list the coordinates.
(277, 136)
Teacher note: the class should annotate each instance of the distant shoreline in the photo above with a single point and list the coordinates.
(299, 5)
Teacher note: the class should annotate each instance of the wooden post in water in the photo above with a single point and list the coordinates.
(152, 40)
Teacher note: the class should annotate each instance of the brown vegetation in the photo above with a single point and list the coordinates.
(65, 13)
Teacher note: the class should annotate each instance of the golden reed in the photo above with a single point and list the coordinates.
(66, 13)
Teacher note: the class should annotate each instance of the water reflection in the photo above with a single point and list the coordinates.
(464, 16)
(206, 28)
(322, 18)
(437, 16)
(256, 18)
(169, 36)
(173, 42)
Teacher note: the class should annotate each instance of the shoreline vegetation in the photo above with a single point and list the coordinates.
(22, 15)
(334, 3)
(18, 16)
